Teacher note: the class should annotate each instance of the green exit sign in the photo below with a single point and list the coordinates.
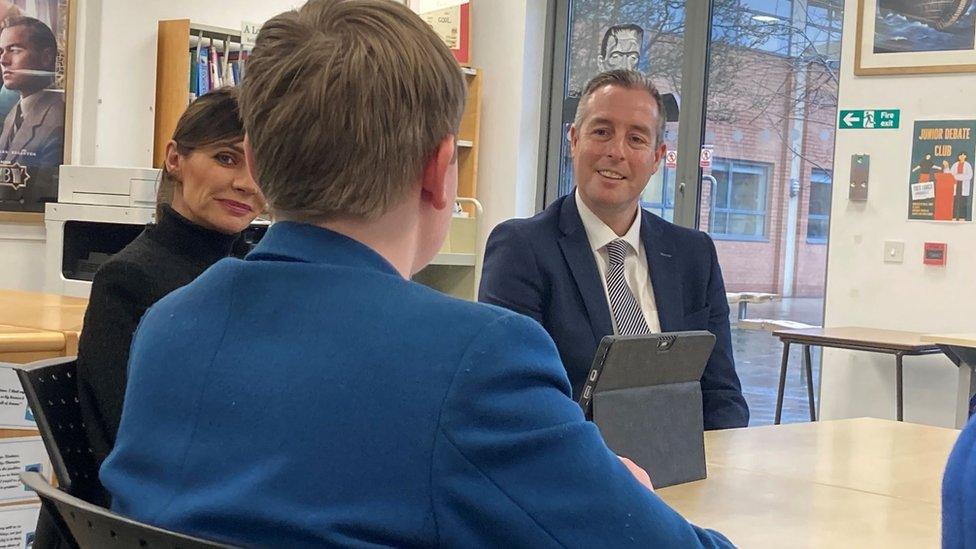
(870, 119)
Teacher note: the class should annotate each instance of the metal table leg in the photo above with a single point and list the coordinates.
(808, 367)
(965, 359)
(782, 382)
(742, 309)
(899, 384)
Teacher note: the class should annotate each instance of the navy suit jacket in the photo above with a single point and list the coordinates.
(310, 396)
(543, 267)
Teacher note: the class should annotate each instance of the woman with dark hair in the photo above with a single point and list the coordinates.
(205, 199)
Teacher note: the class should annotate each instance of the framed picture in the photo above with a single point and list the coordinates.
(451, 20)
(915, 37)
(35, 100)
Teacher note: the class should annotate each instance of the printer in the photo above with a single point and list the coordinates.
(99, 211)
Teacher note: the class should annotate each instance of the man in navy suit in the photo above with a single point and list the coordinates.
(311, 395)
(595, 263)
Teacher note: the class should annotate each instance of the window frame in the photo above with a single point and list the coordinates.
(762, 168)
(829, 183)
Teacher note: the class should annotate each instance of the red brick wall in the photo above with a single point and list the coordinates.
(763, 136)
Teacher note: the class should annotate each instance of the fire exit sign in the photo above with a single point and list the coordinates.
(870, 119)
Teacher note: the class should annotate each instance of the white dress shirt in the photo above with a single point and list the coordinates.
(636, 271)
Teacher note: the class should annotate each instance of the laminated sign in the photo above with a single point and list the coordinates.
(14, 411)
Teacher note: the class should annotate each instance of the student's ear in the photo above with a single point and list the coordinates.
(438, 184)
(249, 158)
(173, 161)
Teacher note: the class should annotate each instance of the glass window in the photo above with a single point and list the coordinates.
(819, 212)
(658, 198)
(823, 29)
(739, 199)
(753, 24)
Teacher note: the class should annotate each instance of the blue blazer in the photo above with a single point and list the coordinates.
(959, 493)
(310, 396)
(543, 267)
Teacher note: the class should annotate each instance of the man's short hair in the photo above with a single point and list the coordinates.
(344, 102)
(627, 79)
(39, 35)
(614, 32)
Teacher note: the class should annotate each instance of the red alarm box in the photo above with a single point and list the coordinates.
(935, 254)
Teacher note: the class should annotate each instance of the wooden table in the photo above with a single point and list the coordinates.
(891, 342)
(849, 483)
(961, 350)
(39, 323)
(23, 345)
(52, 312)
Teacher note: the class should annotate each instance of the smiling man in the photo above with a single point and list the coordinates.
(594, 263)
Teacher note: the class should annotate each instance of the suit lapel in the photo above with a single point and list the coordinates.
(576, 250)
(32, 121)
(665, 279)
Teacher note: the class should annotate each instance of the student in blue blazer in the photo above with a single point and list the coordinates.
(959, 493)
(595, 263)
(312, 395)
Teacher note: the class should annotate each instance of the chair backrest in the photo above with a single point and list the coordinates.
(51, 388)
(94, 526)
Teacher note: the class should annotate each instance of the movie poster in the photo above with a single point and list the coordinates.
(33, 42)
(941, 177)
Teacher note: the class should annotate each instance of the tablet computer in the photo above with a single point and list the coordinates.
(623, 362)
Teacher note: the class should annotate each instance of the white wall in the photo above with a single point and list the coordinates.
(862, 290)
(118, 67)
(508, 45)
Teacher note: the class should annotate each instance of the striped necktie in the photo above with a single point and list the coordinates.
(626, 311)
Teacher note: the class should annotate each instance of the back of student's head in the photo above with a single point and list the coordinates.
(344, 101)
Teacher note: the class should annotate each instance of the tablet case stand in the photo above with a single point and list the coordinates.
(647, 402)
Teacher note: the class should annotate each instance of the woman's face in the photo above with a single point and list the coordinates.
(215, 189)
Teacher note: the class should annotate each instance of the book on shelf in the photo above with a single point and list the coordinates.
(211, 68)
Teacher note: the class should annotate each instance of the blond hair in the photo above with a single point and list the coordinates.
(344, 101)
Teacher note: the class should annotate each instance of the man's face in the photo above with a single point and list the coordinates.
(623, 52)
(962, 157)
(18, 56)
(615, 149)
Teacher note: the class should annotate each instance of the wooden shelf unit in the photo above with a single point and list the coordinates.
(468, 139)
(175, 39)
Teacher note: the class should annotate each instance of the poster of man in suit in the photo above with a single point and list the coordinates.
(32, 102)
(941, 180)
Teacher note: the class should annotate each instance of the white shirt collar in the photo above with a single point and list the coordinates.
(599, 234)
(27, 104)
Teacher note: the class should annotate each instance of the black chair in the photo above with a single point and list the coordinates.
(93, 526)
(52, 393)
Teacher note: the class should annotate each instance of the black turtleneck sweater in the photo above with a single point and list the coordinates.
(166, 256)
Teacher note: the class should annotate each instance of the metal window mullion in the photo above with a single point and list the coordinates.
(691, 119)
(554, 69)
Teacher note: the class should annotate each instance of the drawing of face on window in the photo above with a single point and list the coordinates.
(620, 48)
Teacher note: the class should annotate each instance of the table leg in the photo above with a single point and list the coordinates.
(808, 367)
(742, 309)
(965, 393)
(782, 382)
(899, 386)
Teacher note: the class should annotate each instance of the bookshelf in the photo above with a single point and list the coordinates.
(175, 41)
(468, 140)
